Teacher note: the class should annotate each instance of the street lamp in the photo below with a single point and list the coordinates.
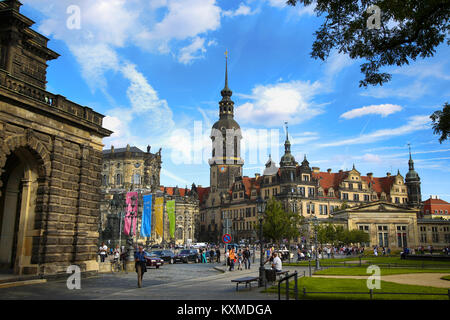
(316, 224)
(261, 206)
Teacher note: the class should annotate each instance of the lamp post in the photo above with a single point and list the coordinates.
(130, 236)
(261, 205)
(316, 224)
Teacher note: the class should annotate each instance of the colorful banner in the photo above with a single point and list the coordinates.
(170, 207)
(146, 224)
(159, 203)
(131, 213)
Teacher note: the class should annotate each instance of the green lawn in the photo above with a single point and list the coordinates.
(357, 271)
(353, 285)
(446, 278)
(375, 260)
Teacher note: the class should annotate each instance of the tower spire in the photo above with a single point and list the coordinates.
(226, 69)
(226, 105)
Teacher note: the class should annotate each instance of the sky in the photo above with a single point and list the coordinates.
(155, 69)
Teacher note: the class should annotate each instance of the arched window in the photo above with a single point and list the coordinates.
(136, 178)
(118, 179)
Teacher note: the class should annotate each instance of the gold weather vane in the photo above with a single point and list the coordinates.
(226, 53)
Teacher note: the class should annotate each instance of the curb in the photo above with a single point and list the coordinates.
(219, 269)
(21, 283)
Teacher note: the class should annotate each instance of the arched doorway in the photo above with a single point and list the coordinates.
(20, 177)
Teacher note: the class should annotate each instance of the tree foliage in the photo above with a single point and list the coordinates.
(279, 224)
(409, 29)
(441, 122)
(337, 235)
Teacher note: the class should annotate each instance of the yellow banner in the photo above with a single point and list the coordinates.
(159, 209)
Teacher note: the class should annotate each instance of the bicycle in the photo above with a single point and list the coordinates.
(115, 266)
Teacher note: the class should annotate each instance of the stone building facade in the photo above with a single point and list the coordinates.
(229, 204)
(50, 160)
(129, 168)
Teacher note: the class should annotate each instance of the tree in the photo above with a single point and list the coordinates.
(279, 224)
(408, 29)
(441, 122)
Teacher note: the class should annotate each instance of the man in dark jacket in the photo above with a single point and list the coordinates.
(218, 255)
(140, 264)
(246, 255)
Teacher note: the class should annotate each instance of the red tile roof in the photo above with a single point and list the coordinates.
(435, 202)
(329, 179)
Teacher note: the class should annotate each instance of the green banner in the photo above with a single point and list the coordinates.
(170, 207)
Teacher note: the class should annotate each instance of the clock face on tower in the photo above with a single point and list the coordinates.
(222, 169)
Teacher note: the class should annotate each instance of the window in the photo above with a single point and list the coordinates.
(350, 186)
(383, 236)
(301, 190)
(136, 178)
(435, 234)
(355, 197)
(310, 192)
(366, 198)
(397, 200)
(118, 179)
(305, 177)
(323, 210)
(402, 237)
(331, 193)
(345, 196)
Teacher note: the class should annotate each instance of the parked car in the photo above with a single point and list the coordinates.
(187, 255)
(166, 255)
(153, 260)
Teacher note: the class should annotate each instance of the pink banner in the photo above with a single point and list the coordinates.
(132, 207)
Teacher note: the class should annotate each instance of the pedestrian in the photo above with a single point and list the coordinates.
(124, 259)
(239, 259)
(247, 255)
(102, 251)
(140, 265)
(116, 254)
(204, 256)
(217, 255)
(389, 251)
(375, 251)
(232, 259)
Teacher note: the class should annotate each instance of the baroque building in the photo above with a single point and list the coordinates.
(131, 169)
(50, 160)
(387, 207)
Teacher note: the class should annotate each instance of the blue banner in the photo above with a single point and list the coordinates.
(146, 225)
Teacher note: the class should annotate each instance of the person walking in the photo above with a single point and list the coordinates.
(239, 259)
(102, 251)
(232, 257)
(247, 255)
(140, 265)
(218, 255)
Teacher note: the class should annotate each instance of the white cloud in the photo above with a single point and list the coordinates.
(193, 51)
(382, 109)
(273, 104)
(412, 92)
(242, 10)
(415, 123)
(371, 158)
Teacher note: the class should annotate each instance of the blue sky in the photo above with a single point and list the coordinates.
(155, 68)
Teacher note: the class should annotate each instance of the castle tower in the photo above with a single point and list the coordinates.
(412, 182)
(226, 162)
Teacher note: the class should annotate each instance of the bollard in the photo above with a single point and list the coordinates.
(296, 286)
(287, 289)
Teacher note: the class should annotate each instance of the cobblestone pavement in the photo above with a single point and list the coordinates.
(179, 281)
